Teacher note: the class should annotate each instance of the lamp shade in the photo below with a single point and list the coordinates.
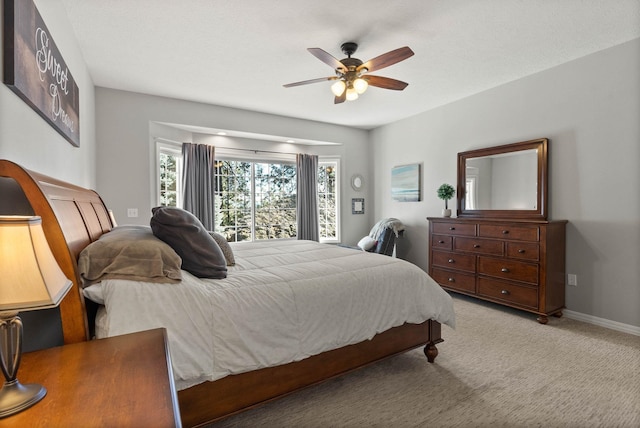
(338, 88)
(360, 85)
(351, 94)
(30, 277)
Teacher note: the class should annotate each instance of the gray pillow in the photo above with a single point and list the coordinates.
(201, 256)
(129, 252)
(225, 247)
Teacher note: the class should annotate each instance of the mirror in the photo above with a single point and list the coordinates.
(508, 181)
(357, 182)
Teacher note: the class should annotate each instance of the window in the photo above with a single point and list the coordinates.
(328, 202)
(169, 160)
(266, 189)
(233, 204)
(275, 198)
(255, 199)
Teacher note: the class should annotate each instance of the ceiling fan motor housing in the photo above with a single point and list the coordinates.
(349, 48)
(351, 64)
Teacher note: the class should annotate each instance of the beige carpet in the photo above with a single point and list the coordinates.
(499, 368)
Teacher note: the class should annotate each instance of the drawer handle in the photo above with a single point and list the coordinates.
(521, 251)
(452, 280)
(505, 270)
(505, 292)
(440, 242)
(452, 228)
(451, 261)
(505, 232)
(476, 245)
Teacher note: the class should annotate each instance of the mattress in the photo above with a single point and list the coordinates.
(283, 301)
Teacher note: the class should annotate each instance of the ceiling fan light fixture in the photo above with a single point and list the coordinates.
(352, 94)
(360, 85)
(349, 82)
(338, 88)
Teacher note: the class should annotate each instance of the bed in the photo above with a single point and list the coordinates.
(261, 366)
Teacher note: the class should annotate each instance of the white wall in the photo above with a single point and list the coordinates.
(25, 138)
(589, 109)
(126, 120)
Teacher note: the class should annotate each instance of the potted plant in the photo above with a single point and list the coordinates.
(446, 192)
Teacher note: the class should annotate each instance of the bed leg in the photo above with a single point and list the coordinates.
(431, 352)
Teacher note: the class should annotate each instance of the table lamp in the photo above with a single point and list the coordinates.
(30, 279)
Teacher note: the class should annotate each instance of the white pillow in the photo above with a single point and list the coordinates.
(366, 243)
(94, 293)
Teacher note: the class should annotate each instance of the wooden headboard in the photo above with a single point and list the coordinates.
(72, 218)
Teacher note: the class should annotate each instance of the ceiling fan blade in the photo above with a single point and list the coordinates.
(387, 59)
(306, 82)
(385, 82)
(342, 98)
(327, 58)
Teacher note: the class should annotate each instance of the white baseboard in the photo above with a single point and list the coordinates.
(602, 322)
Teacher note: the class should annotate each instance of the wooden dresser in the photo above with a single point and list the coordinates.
(517, 263)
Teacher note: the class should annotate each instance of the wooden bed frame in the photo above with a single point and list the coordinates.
(73, 217)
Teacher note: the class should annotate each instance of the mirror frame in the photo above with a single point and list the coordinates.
(542, 145)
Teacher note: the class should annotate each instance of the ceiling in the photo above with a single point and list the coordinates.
(240, 53)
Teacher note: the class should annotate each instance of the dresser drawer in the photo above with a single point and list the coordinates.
(523, 250)
(442, 242)
(456, 261)
(506, 231)
(508, 269)
(456, 280)
(457, 229)
(480, 246)
(508, 292)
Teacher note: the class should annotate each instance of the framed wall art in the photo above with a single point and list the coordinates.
(357, 206)
(405, 183)
(35, 70)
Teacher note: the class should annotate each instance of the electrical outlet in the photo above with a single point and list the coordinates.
(572, 279)
(132, 212)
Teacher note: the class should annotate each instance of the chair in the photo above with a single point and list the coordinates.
(382, 237)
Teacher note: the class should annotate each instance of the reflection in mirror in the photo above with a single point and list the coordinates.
(507, 181)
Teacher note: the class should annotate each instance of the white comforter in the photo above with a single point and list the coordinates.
(282, 302)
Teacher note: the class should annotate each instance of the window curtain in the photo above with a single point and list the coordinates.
(307, 188)
(198, 180)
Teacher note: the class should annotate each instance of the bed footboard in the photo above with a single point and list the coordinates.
(212, 401)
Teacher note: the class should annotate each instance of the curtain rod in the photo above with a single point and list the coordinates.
(166, 140)
(256, 150)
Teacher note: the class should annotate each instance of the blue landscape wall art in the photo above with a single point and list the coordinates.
(405, 183)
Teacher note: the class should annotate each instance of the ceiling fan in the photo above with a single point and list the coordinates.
(351, 77)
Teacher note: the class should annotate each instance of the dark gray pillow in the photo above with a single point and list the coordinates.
(201, 255)
(225, 247)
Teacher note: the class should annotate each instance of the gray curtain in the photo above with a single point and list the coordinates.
(198, 180)
(307, 187)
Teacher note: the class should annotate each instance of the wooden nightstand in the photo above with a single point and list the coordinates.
(122, 381)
